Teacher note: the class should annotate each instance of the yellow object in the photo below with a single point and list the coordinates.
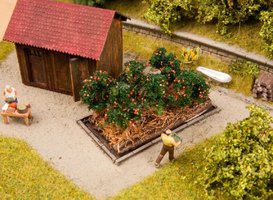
(190, 55)
(168, 140)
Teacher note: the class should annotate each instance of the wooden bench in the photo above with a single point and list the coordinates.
(27, 116)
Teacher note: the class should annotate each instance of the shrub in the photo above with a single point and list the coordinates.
(266, 31)
(244, 68)
(224, 13)
(96, 89)
(241, 163)
(166, 12)
(198, 85)
(190, 87)
(123, 107)
(168, 64)
(181, 93)
(154, 90)
(133, 75)
(158, 59)
(228, 12)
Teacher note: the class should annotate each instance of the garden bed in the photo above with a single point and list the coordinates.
(132, 110)
(178, 119)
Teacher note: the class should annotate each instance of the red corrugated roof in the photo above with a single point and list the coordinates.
(64, 27)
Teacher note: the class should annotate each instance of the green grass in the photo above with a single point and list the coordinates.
(24, 175)
(238, 84)
(177, 181)
(246, 36)
(142, 48)
(131, 8)
(5, 49)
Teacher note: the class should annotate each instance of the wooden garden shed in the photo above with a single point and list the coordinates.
(58, 44)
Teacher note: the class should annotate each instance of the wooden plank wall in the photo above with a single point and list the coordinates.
(61, 74)
(80, 68)
(56, 69)
(22, 64)
(111, 57)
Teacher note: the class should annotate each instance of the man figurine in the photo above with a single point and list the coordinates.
(170, 140)
(10, 94)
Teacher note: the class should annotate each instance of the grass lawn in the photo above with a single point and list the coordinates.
(131, 8)
(5, 49)
(24, 175)
(142, 48)
(177, 181)
(246, 36)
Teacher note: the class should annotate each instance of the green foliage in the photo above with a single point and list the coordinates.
(155, 87)
(168, 64)
(96, 89)
(123, 107)
(228, 12)
(187, 87)
(181, 95)
(244, 68)
(133, 74)
(97, 3)
(223, 13)
(123, 99)
(24, 175)
(158, 58)
(194, 85)
(241, 163)
(266, 31)
(166, 12)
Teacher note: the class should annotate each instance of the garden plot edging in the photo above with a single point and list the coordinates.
(118, 160)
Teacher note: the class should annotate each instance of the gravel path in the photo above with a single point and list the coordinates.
(60, 141)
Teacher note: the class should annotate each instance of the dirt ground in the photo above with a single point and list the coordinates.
(60, 141)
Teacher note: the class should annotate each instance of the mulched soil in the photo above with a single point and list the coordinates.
(150, 127)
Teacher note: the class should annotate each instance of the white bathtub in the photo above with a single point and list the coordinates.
(214, 74)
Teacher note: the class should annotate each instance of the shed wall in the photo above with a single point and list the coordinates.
(111, 57)
(80, 69)
(44, 69)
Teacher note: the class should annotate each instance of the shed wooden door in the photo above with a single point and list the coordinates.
(36, 70)
(61, 73)
(48, 70)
